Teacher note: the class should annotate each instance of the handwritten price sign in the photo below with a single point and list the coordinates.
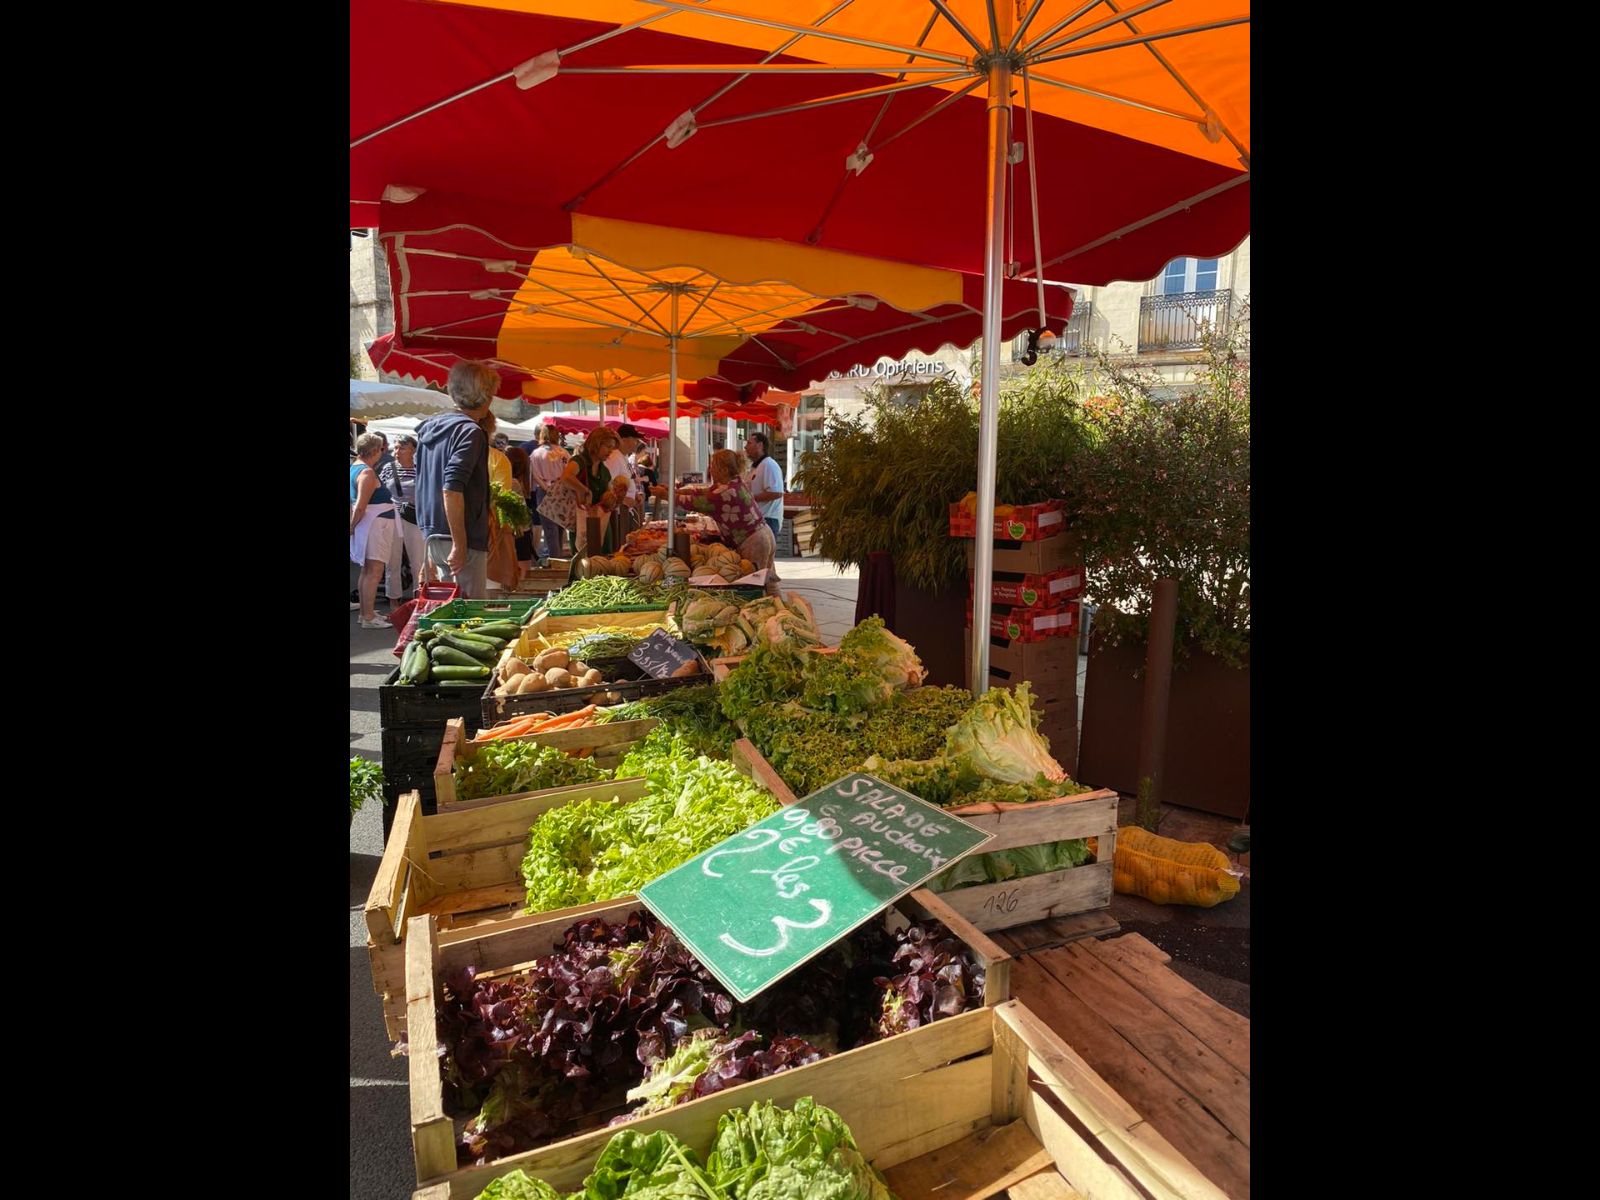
(766, 900)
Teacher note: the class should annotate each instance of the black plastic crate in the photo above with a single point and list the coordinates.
(425, 704)
(410, 753)
(634, 685)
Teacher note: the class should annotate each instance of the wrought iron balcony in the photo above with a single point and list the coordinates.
(1074, 338)
(1174, 322)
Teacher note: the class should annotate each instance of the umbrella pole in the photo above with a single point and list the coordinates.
(672, 423)
(989, 394)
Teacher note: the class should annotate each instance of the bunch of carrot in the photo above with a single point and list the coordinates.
(537, 723)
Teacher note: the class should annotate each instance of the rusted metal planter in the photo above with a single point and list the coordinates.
(1208, 729)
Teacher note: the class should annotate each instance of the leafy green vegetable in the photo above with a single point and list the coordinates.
(366, 783)
(601, 646)
(510, 509)
(503, 768)
(1000, 736)
(655, 1166)
(596, 850)
(692, 713)
(804, 1153)
(768, 675)
(1018, 863)
(519, 1185)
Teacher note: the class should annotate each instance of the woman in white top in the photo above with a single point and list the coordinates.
(547, 464)
(371, 525)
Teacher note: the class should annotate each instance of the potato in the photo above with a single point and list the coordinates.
(558, 677)
(515, 666)
(501, 691)
(590, 678)
(556, 656)
(577, 668)
(531, 682)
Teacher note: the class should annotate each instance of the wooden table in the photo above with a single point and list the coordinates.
(1174, 1054)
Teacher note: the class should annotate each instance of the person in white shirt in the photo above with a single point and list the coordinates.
(547, 464)
(766, 481)
(620, 463)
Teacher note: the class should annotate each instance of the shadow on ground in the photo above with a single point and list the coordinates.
(369, 1043)
(382, 1166)
(363, 870)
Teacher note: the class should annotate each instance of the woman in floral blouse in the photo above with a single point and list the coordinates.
(729, 503)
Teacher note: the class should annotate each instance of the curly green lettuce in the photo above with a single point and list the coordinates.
(594, 850)
(505, 768)
(519, 1185)
(999, 735)
(804, 1153)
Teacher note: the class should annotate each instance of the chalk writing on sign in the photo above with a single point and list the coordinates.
(661, 656)
(771, 897)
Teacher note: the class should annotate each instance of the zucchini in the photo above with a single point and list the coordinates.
(450, 656)
(483, 639)
(471, 683)
(414, 665)
(424, 635)
(448, 672)
(499, 629)
(477, 649)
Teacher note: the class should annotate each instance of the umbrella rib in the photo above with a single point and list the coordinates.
(972, 39)
(934, 111)
(503, 76)
(1198, 198)
(1244, 152)
(1044, 37)
(843, 98)
(1193, 118)
(585, 301)
(573, 204)
(1116, 18)
(808, 31)
(1144, 39)
(815, 236)
(648, 315)
(747, 69)
(703, 301)
(1022, 29)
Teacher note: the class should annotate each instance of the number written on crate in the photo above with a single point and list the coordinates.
(1002, 902)
(661, 656)
(771, 897)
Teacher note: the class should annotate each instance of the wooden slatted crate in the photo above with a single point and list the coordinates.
(989, 1103)
(993, 906)
(610, 743)
(908, 1070)
(476, 880)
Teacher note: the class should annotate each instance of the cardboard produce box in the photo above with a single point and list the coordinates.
(1019, 589)
(1032, 558)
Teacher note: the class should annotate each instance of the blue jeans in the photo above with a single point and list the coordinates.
(774, 524)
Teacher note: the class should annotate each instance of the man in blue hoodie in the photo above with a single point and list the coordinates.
(453, 482)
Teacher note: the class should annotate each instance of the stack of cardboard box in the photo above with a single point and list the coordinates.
(1034, 619)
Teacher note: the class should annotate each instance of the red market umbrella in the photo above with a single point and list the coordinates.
(852, 126)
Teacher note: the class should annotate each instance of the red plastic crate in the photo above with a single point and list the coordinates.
(1049, 590)
(1031, 624)
(429, 596)
(1024, 523)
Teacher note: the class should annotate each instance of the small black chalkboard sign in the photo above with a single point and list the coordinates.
(662, 656)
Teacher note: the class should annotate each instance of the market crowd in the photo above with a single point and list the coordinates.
(428, 503)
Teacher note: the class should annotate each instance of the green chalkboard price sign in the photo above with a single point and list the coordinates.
(766, 900)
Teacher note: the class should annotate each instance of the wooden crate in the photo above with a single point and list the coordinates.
(989, 1103)
(541, 583)
(991, 906)
(610, 742)
(544, 622)
(894, 1063)
(477, 878)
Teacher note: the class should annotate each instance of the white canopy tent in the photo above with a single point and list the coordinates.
(377, 401)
